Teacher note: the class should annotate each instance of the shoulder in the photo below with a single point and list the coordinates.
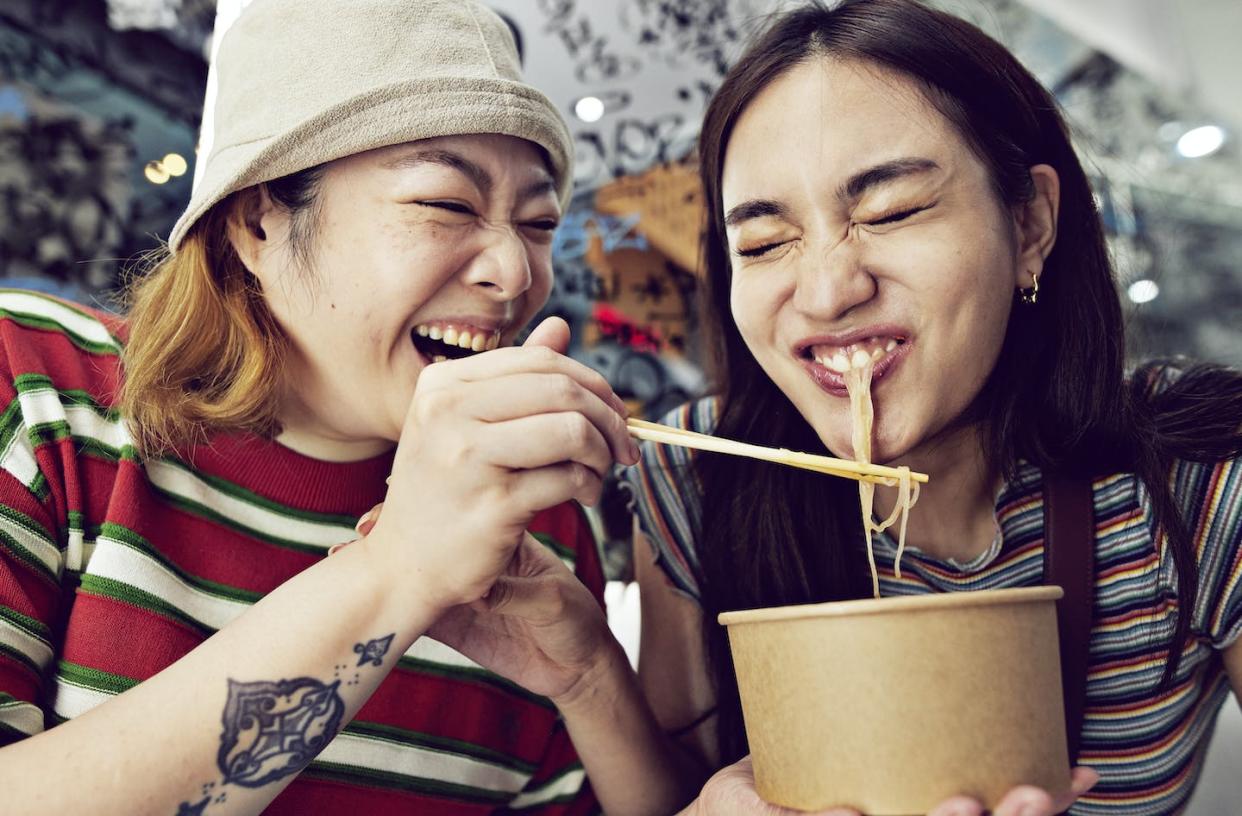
(1189, 401)
(46, 342)
(700, 416)
(667, 501)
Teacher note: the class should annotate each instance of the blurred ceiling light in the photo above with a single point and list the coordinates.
(589, 108)
(1201, 141)
(1143, 291)
(1171, 131)
(155, 172)
(174, 164)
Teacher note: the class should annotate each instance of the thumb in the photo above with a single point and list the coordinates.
(553, 332)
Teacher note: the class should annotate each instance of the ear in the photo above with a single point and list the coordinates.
(254, 225)
(1036, 222)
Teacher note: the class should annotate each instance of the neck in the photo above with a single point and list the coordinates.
(955, 516)
(317, 444)
(304, 432)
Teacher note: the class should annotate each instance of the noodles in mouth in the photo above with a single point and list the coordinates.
(862, 415)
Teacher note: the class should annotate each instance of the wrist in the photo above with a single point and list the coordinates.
(606, 677)
(405, 593)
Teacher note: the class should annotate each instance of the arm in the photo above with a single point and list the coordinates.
(621, 743)
(542, 628)
(175, 743)
(672, 662)
(231, 723)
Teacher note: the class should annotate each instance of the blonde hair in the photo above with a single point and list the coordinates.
(205, 354)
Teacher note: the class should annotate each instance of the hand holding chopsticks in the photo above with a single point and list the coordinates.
(845, 468)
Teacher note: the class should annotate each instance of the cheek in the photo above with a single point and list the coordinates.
(752, 309)
(542, 277)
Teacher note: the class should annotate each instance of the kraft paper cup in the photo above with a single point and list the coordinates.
(892, 705)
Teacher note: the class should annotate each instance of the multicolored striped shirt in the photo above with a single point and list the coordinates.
(1148, 746)
(111, 569)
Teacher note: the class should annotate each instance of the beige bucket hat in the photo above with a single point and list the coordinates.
(303, 82)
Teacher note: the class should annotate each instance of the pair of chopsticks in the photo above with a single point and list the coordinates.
(845, 468)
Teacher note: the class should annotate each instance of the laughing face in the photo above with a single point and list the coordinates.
(420, 252)
(862, 227)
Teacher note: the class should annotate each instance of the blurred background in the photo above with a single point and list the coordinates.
(101, 103)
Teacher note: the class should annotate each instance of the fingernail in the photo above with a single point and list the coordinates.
(952, 809)
(365, 518)
(332, 550)
(635, 451)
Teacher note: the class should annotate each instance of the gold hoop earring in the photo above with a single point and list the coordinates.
(1031, 294)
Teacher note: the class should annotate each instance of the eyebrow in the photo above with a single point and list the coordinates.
(476, 173)
(883, 173)
(755, 208)
(853, 188)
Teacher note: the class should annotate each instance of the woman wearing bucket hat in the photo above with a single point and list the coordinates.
(882, 177)
(376, 209)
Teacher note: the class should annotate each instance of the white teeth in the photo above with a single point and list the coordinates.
(475, 341)
(438, 358)
(855, 355)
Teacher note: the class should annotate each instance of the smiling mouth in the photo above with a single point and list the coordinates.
(841, 359)
(437, 342)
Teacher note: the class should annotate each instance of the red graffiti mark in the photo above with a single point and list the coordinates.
(616, 325)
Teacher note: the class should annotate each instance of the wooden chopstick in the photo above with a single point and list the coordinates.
(844, 468)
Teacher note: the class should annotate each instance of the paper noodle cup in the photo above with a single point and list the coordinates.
(892, 705)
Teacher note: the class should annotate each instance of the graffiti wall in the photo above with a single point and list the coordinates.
(625, 261)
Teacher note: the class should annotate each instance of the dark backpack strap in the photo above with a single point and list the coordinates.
(1069, 562)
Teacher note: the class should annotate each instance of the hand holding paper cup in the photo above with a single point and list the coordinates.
(893, 705)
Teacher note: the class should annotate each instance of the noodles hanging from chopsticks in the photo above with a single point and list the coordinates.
(862, 414)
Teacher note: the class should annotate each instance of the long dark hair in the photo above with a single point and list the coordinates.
(1057, 397)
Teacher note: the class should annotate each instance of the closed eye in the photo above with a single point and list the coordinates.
(542, 224)
(451, 206)
(755, 252)
(893, 218)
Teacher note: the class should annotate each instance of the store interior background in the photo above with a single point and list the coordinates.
(101, 103)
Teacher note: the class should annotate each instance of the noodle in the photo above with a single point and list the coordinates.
(862, 412)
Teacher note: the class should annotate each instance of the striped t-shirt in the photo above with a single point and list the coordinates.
(111, 569)
(1147, 746)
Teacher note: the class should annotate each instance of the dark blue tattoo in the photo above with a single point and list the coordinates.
(374, 651)
(272, 730)
(186, 809)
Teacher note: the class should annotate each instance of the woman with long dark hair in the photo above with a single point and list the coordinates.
(881, 176)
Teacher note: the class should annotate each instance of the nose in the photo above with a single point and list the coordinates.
(831, 283)
(501, 267)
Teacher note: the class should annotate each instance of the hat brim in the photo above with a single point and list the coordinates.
(402, 112)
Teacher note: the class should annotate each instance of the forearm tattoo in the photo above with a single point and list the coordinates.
(374, 650)
(274, 729)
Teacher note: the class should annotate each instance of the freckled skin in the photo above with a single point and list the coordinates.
(383, 261)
